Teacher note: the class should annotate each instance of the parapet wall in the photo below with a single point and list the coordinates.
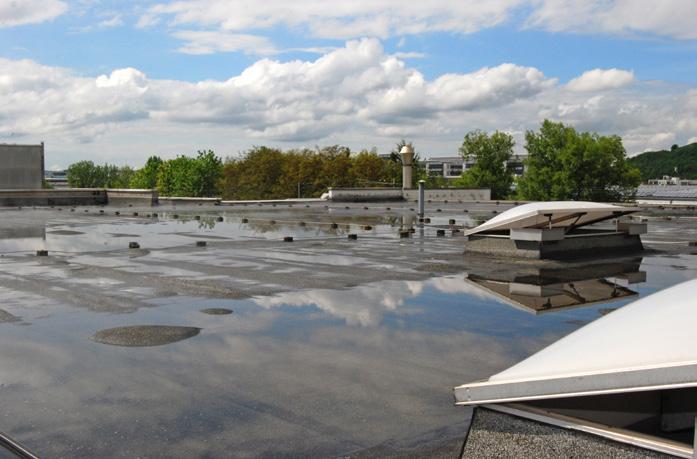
(363, 194)
(450, 194)
(57, 197)
(141, 197)
(397, 194)
(76, 197)
(180, 200)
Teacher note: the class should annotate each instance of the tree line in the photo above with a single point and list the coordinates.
(198, 176)
(561, 164)
(680, 161)
(259, 173)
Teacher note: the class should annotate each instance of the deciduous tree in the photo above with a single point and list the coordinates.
(146, 177)
(491, 154)
(564, 164)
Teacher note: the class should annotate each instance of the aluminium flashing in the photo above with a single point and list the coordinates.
(577, 385)
(649, 344)
(561, 214)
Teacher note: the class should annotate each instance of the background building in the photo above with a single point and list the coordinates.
(56, 179)
(452, 167)
(21, 166)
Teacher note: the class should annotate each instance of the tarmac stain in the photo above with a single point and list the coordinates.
(144, 335)
(217, 311)
(65, 232)
(6, 317)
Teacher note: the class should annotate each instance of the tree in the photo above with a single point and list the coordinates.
(83, 174)
(491, 154)
(269, 173)
(255, 175)
(368, 169)
(186, 176)
(655, 164)
(564, 164)
(336, 166)
(674, 147)
(208, 170)
(122, 178)
(146, 177)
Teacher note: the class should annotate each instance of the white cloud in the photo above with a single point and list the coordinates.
(376, 18)
(389, 18)
(114, 21)
(409, 55)
(147, 20)
(357, 95)
(128, 77)
(671, 18)
(38, 99)
(209, 42)
(600, 79)
(488, 87)
(19, 12)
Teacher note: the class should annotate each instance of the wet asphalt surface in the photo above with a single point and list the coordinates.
(250, 346)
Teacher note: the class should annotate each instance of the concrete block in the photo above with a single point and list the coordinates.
(537, 234)
(632, 228)
(22, 167)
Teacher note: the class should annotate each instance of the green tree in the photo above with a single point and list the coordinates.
(122, 178)
(84, 174)
(300, 174)
(564, 164)
(255, 175)
(368, 169)
(335, 168)
(207, 171)
(655, 164)
(146, 177)
(269, 173)
(491, 154)
(187, 176)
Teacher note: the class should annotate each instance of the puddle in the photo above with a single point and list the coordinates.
(98, 232)
(333, 348)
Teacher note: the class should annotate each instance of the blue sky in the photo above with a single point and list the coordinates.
(116, 81)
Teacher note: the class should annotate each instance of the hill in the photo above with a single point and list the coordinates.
(655, 164)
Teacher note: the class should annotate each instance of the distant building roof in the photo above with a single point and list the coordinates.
(667, 192)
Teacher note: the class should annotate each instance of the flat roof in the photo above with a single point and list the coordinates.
(558, 214)
(646, 345)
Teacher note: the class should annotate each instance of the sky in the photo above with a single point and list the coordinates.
(117, 81)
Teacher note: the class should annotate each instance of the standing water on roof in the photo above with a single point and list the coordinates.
(251, 346)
